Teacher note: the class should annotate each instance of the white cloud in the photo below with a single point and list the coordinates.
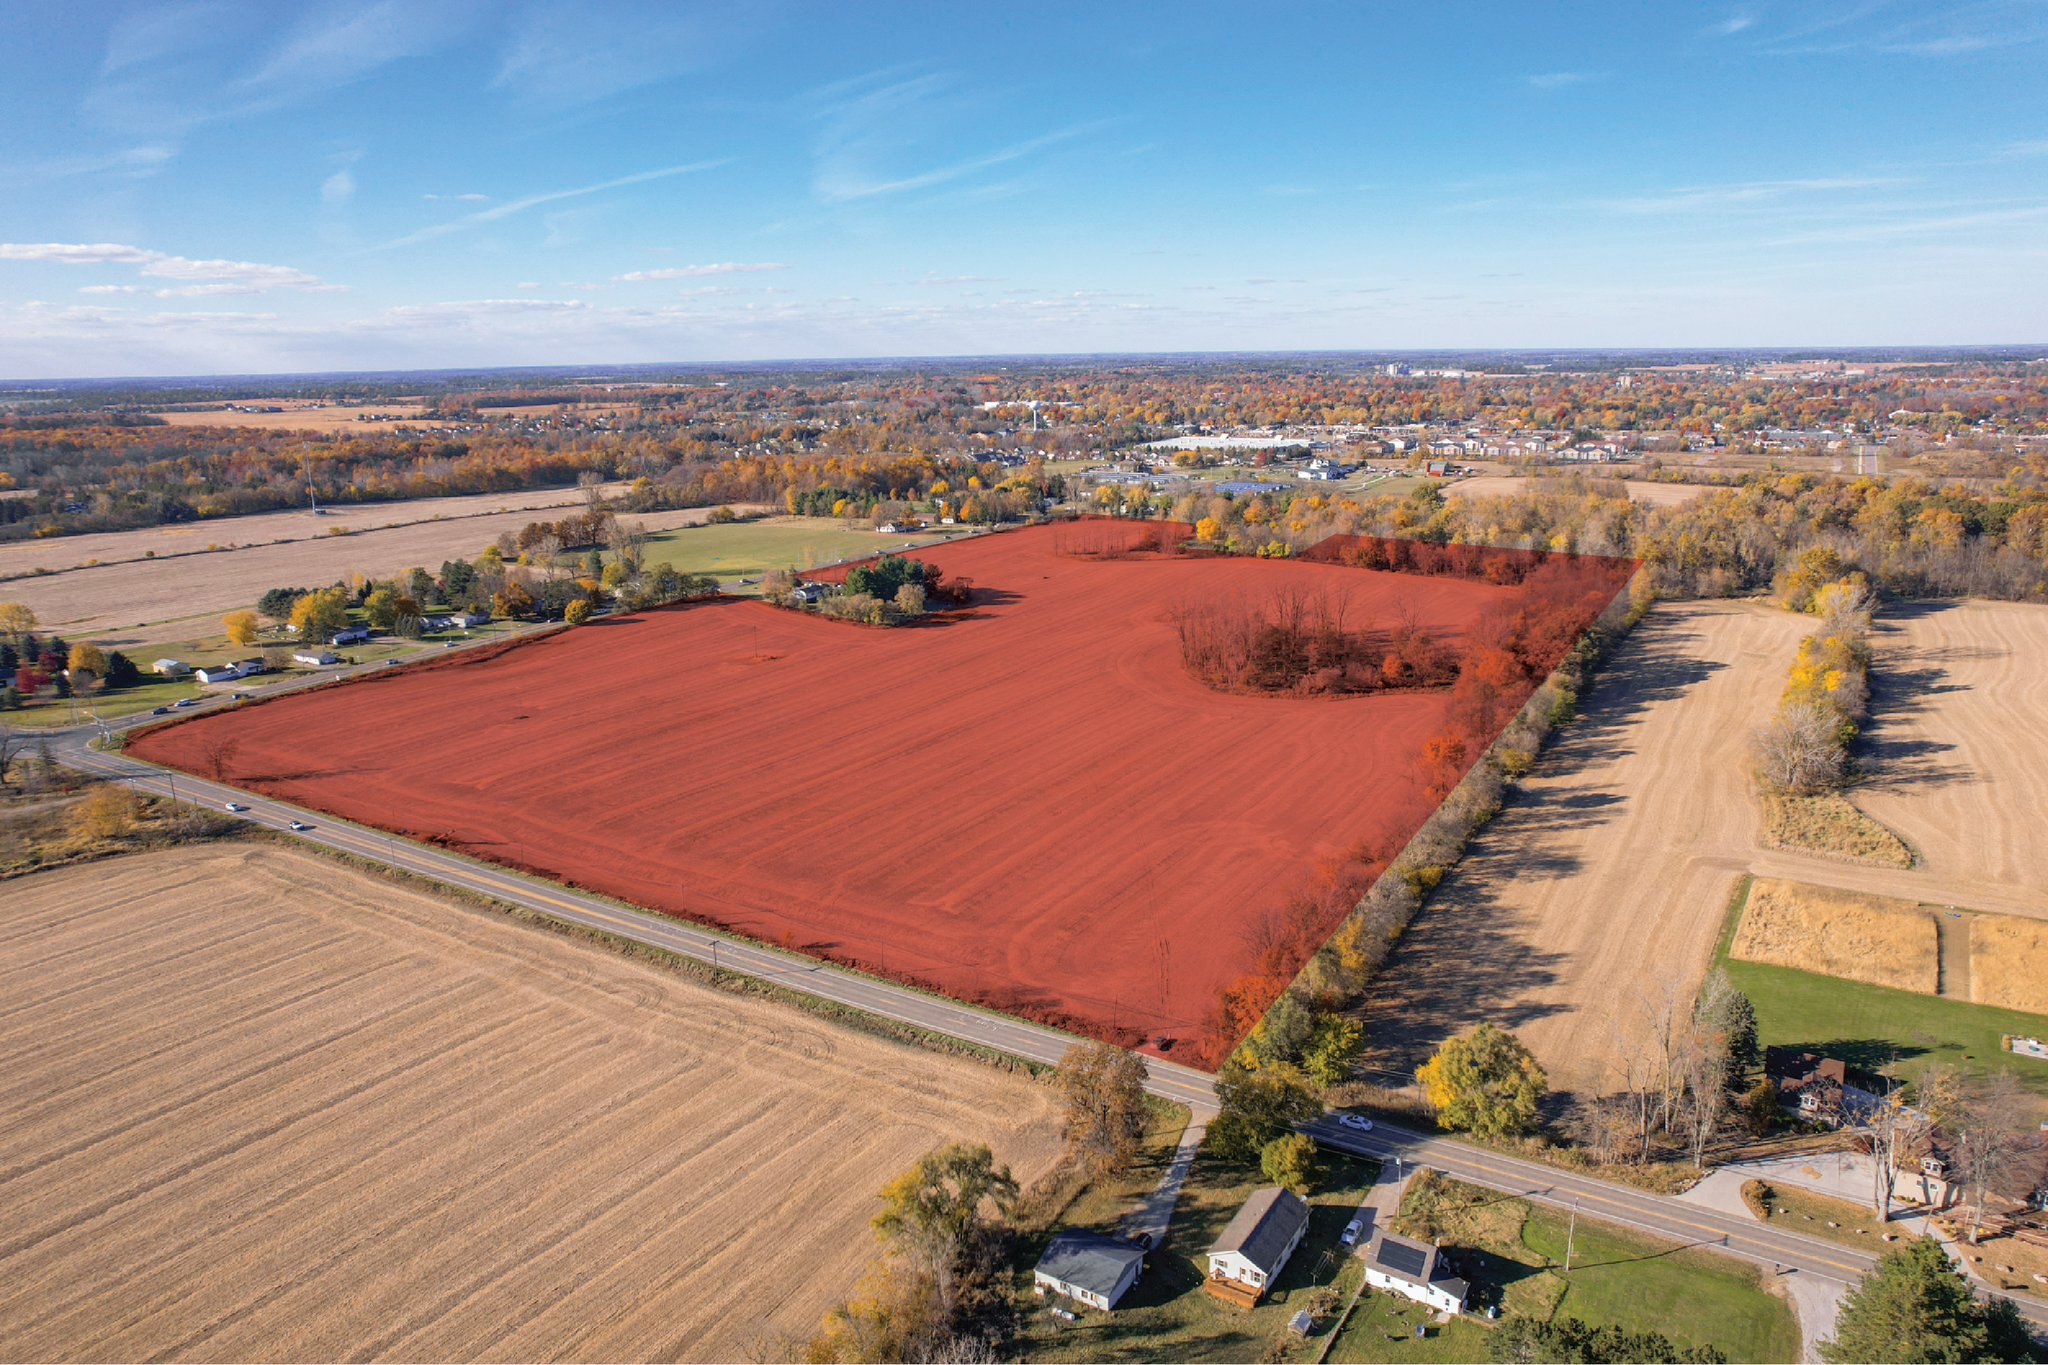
(190, 291)
(338, 188)
(527, 284)
(78, 253)
(247, 276)
(455, 196)
(959, 279)
(1553, 80)
(1732, 25)
(691, 272)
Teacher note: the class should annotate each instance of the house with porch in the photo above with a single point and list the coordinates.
(1254, 1247)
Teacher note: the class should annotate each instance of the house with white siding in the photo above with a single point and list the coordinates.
(1414, 1270)
(1248, 1257)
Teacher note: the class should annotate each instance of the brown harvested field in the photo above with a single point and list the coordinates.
(1500, 486)
(1616, 857)
(2009, 962)
(259, 1107)
(141, 601)
(308, 418)
(1849, 934)
(1960, 701)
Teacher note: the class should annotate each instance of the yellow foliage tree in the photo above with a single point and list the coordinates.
(16, 618)
(240, 627)
(106, 814)
(87, 658)
(321, 612)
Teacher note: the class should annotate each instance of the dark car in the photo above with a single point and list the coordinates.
(161, 711)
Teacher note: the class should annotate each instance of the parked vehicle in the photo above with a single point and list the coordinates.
(1351, 1231)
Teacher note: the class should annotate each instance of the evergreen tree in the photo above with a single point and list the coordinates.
(1915, 1306)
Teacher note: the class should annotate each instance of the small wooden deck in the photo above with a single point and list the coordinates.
(1233, 1292)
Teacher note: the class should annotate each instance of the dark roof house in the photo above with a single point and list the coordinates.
(1414, 1269)
(1249, 1255)
(1089, 1266)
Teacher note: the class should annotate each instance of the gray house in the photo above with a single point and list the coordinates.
(1089, 1267)
(1249, 1255)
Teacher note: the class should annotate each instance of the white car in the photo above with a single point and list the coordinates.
(1351, 1231)
(1358, 1121)
(300, 824)
(236, 807)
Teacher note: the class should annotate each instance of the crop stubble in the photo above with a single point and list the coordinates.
(261, 1107)
(1034, 807)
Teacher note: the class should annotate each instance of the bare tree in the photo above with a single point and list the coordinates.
(1893, 1129)
(1796, 750)
(1844, 608)
(592, 484)
(1989, 1136)
(13, 743)
(220, 751)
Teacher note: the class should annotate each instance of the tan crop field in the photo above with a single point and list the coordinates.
(2009, 962)
(324, 419)
(1850, 934)
(1501, 485)
(1616, 860)
(257, 1106)
(129, 600)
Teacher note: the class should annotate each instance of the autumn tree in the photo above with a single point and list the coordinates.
(934, 1209)
(16, 619)
(1289, 1161)
(239, 627)
(319, 613)
(1104, 1088)
(1484, 1081)
(1334, 1043)
(577, 612)
(86, 658)
(107, 813)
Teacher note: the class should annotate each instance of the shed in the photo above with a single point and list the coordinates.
(1413, 1269)
(171, 668)
(1089, 1267)
(1249, 1255)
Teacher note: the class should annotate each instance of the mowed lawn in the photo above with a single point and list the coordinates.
(748, 549)
(1514, 1252)
(1166, 1315)
(1871, 1026)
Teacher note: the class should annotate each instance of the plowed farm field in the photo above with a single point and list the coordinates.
(257, 1106)
(1029, 803)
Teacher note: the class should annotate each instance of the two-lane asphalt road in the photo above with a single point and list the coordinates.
(1676, 1219)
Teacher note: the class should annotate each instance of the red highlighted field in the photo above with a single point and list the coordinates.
(1032, 804)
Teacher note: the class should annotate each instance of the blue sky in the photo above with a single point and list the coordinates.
(219, 187)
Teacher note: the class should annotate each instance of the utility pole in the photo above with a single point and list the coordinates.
(1570, 1233)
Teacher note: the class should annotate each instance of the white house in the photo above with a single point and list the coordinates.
(1089, 1267)
(314, 658)
(353, 635)
(171, 668)
(218, 673)
(809, 592)
(1249, 1255)
(1414, 1269)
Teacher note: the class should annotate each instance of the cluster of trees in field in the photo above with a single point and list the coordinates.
(1300, 642)
(884, 591)
(1804, 747)
(30, 665)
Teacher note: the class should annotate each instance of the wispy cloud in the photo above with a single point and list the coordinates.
(479, 198)
(1692, 198)
(1557, 80)
(1732, 25)
(491, 215)
(220, 276)
(338, 188)
(563, 52)
(691, 272)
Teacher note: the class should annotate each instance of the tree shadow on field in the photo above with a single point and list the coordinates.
(1659, 661)
(1458, 965)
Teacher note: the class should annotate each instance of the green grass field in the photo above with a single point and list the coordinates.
(748, 549)
(1167, 1316)
(1618, 1276)
(1868, 1026)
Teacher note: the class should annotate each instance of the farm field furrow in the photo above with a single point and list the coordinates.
(1030, 804)
(1614, 859)
(478, 1140)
